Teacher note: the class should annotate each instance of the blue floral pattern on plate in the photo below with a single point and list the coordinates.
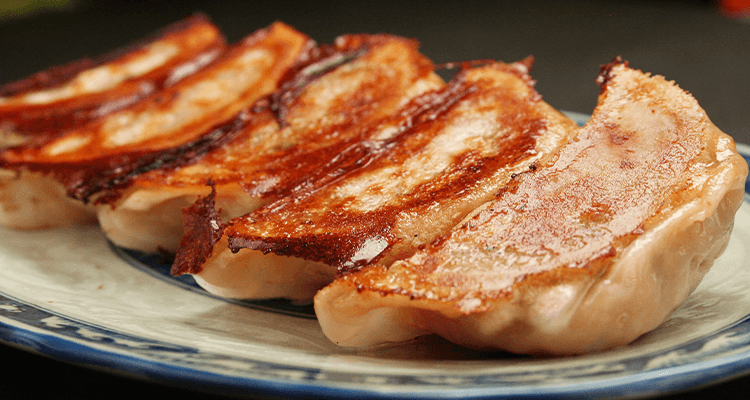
(70, 295)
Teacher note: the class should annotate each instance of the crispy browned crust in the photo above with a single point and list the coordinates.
(86, 179)
(196, 37)
(283, 43)
(318, 61)
(606, 74)
(336, 247)
(314, 151)
(57, 75)
(308, 148)
(203, 229)
(105, 177)
(54, 76)
(297, 225)
(586, 252)
(559, 228)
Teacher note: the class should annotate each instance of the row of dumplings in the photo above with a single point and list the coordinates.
(277, 167)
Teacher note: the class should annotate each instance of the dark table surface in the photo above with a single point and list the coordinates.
(690, 42)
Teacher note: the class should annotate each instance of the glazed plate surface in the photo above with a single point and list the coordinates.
(69, 294)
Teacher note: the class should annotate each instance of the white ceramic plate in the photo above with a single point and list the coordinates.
(67, 293)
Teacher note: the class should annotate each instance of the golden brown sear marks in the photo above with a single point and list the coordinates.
(295, 136)
(345, 96)
(588, 251)
(172, 124)
(245, 72)
(384, 197)
(46, 104)
(576, 213)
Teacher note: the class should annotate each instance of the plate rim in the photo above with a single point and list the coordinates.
(657, 381)
(112, 359)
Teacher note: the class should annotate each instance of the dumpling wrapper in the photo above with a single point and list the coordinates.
(588, 252)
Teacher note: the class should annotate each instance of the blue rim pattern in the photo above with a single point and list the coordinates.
(699, 362)
(40, 330)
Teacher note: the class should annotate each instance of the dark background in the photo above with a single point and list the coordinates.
(691, 42)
